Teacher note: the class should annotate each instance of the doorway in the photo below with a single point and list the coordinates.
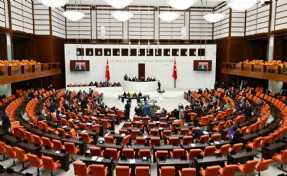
(141, 71)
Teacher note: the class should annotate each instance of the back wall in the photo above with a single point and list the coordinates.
(160, 67)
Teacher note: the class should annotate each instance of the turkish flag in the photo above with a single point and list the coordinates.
(174, 73)
(107, 70)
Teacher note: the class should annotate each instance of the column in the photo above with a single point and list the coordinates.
(273, 86)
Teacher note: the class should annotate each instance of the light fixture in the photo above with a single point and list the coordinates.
(181, 4)
(241, 5)
(177, 53)
(108, 53)
(118, 53)
(168, 16)
(99, 52)
(54, 3)
(168, 53)
(90, 52)
(78, 53)
(73, 15)
(185, 53)
(122, 15)
(119, 4)
(214, 17)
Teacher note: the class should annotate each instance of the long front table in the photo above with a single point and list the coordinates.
(130, 86)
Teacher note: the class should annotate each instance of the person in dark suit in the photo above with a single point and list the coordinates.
(236, 135)
(158, 85)
(127, 110)
(80, 67)
(247, 112)
(126, 77)
(83, 104)
(202, 66)
(6, 124)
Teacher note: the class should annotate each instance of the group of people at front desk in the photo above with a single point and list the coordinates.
(135, 95)
(141, 79)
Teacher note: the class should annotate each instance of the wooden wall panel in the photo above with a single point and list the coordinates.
(43, 49)
(23, 48)
(3, 48)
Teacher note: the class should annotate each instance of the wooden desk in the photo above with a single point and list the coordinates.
(57, 155)
(248, 137)
(100, 160)
(52, 136)
(218, 144)
(268, 152)
(36, 131)
(30, 148)
(107, 145)
(118, 137)
(11, 140)
(177, 163)
(194, 146)
(138, 147)
(94, 134)
(81, 144)
(208, 161)
(180, 136)
(178, 128)
(132, 163)
(241, 157)
(211, 124)
(165, 147)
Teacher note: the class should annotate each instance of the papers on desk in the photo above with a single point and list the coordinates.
(216, 142)
(64, 116)
(123, 134)
(57, 152)
(205, 132)
(84, 131)
(64, 126)
(160, 128)
(192, 145)
(94, 158)
(89, 124)
(99, 159)
(132, 161)
(145, 136)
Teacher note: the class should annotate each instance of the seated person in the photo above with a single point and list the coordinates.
(197, 134)
(124, 94)
(119, 84)
(231, 131)
(140, 94)
(128, 95)
(163, 113)
(236, 135)
(154, 79)
(135, 95)
(91, 83)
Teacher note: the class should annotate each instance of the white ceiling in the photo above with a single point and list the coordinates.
(206, 3)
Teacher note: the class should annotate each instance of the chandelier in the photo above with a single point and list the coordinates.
(119, 4)
(73, 15)
(181, 4)
(242, 5)
(213, 17)
(168, 16)
(122, 15)
(54, 3)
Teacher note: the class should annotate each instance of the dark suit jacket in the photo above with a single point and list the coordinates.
(5, 122)
(82, 68)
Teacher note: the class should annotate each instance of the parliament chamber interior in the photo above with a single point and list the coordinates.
(143, 87)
